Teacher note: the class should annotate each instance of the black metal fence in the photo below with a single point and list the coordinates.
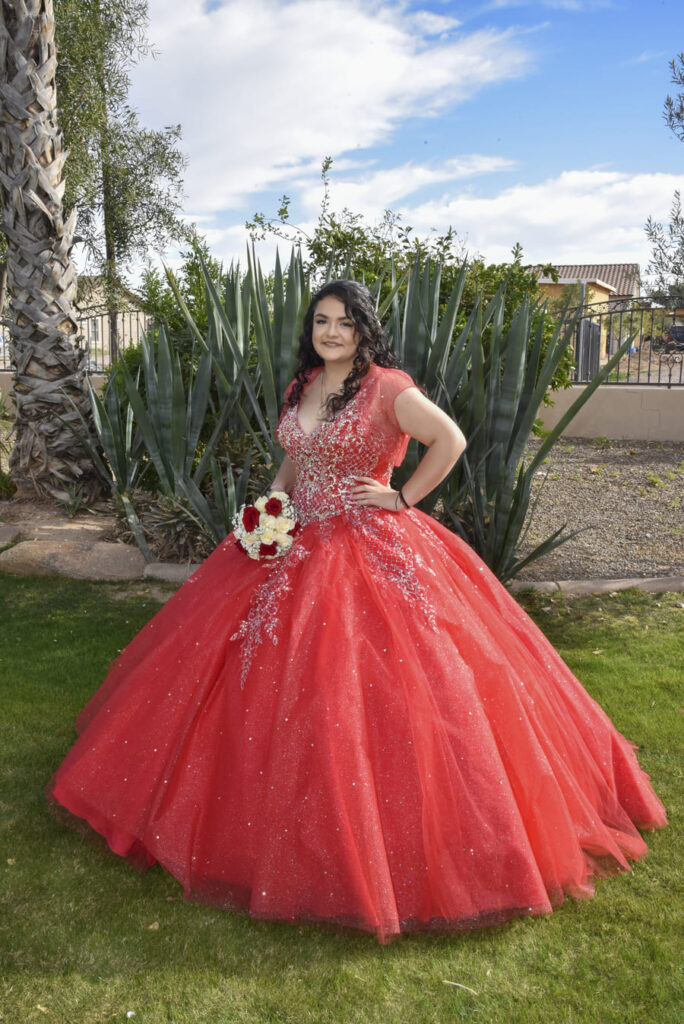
(656, 353)
(655, 356)
(103, 335)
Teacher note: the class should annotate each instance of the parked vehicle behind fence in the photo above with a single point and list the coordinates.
(671, 341)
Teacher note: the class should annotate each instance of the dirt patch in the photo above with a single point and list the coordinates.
(626, 497)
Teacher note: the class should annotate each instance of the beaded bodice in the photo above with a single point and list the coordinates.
(364, 439)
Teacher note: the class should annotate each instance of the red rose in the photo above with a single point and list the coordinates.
(267, 549)
(274, 506)
(250, 518)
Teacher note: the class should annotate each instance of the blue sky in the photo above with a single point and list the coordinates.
(510, 121)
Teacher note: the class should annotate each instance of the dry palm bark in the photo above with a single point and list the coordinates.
(48, 359)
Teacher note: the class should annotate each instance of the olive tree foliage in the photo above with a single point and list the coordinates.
(124, 179)
(345, 245)
(673, 110)
(666, 267)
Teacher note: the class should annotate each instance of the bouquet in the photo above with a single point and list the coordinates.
(265, 529)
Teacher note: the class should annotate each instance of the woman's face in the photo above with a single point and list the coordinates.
(335, 338)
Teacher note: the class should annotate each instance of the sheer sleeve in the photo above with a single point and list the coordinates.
(391, 383)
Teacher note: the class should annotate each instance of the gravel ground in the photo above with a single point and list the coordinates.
(630, 496)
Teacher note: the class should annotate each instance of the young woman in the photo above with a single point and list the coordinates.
(368, 731)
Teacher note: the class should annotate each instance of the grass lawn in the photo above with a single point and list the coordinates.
(84, 938)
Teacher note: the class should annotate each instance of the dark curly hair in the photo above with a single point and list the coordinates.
(373, 348)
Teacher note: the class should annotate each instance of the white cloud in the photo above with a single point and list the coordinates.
(265, 89)
(578, 6)
(646, 56)
(581, 216)
(431, 24)
(384, 187)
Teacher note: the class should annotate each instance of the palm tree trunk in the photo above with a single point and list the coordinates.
(41, 278)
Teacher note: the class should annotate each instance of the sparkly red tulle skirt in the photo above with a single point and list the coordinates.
(368, 733)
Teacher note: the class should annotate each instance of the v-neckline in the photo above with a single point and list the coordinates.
(309, 433)
(323, 423)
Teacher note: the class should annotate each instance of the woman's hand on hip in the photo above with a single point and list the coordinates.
(371, 492)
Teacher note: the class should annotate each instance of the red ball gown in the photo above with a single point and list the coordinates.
(367, 732)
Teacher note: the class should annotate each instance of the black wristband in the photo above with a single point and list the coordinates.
(401, 495)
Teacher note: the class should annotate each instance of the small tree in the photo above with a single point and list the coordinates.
(125, 180)
(673, 111)
(159, 300)
(666, 267)
(345, 244)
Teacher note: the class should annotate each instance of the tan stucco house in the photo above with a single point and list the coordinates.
(603, 287)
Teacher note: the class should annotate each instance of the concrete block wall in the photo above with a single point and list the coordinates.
(631, 412)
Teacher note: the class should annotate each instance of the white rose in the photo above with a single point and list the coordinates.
(283, 524)
(260, 503)
(268, 536)
(280, 495)
(269, 523)
(283, 540)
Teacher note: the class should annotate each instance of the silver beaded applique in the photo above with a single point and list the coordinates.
(262, 618)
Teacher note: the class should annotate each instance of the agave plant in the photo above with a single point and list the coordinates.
(254, 356)
(170, 422)
(421, 337)
(493, 382)
(117, 453)
(277, 326)
(160, 425)
(491, 498)
(490, 379)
